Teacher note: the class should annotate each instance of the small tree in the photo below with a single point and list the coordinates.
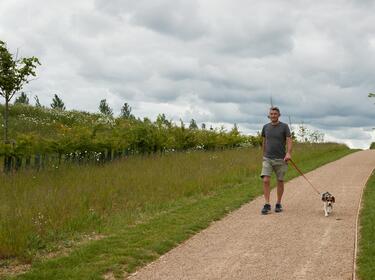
(57, 103)
(193, 124)
(303, 133)
(316, 136)
(182, 124)
(14, 74)
(37, 103)
(161, 121)
(293, 136)
(292, 132)
(126, 111)
(104, 108)
(203, 126)
(22, 99)
(234, 131)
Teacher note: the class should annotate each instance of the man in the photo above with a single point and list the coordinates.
(275, 135)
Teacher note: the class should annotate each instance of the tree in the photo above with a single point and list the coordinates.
(126, 111)
(104, 108)
(182, 124)
(57, 103)
(14, 74)
(293, 136)
(316, 136)
(309, 136)
(303, 133)
(203, 126)
(193, 124)
(37, 103)
(234, 131)
(161, 121)
(22, 99)
(292, 133)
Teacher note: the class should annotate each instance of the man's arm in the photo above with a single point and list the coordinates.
(289, 144)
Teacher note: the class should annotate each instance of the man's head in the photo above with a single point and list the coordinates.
(274, 114)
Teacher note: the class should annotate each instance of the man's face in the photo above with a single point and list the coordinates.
(274, 115)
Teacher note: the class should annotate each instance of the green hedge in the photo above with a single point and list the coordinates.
(80, 134)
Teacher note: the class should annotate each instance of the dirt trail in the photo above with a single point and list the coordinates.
(299, 243)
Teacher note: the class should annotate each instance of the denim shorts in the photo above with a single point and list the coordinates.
(278, 165)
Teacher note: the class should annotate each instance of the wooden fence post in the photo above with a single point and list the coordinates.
(18, 163)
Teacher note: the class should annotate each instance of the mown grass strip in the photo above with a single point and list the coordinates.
(366, 252)
(130, 247)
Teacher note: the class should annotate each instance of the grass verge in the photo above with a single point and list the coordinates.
(366, 252)
(163, 223)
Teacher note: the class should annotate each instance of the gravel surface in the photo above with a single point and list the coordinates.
(299, 243)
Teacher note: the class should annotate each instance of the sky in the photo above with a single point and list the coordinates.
(217, 61)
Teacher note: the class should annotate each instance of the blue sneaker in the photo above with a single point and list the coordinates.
(278, 208)
(266, 209)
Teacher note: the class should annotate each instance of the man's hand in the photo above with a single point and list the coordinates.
(287, 157)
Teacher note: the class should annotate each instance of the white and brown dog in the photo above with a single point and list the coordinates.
(328, 200)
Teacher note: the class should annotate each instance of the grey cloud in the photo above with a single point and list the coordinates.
(341, 122)
(176, 18)
(93, 23)
(255, 42)
(216, 61)
(354, 133)
(115, 70)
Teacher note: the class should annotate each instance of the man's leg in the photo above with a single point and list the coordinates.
(280, 190)
(280, 169)
(266, 176)
(266, 188)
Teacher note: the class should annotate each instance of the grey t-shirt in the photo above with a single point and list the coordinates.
(275, 139)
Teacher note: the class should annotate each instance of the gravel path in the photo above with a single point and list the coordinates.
(299, 243)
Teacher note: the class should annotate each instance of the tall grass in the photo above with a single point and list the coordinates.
(366, 254)
(39, 209)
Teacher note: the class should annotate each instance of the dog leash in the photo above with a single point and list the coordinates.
(300, 172)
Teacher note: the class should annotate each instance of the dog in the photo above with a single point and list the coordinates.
(328, 200)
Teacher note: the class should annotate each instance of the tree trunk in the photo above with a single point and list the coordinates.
(28, 162)
(18, 163)
(6, 115)
(7, 164)
(7, 158)
(37, 161)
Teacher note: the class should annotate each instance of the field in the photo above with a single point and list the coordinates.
(135, 208)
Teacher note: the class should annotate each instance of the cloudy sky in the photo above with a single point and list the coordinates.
(217, 61)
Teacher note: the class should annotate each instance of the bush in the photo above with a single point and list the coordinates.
(80, 136)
